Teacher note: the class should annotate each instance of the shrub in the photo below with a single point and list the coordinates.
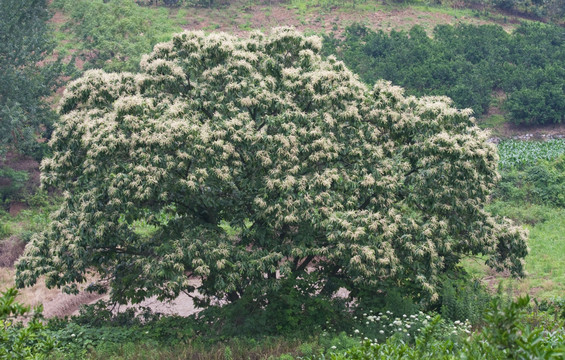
(467, 63)
(18, 341)
(506, 335)
(114, 34)
(464, 300)
(541, 182)
(12, 182)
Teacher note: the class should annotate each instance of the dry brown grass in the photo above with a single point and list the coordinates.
(10, 250)
(33, 296)
(55, 303)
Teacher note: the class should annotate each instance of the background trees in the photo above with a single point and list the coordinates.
(27, 75)
(261, 169)
(469, 64)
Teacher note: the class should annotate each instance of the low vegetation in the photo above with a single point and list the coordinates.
(508, 329)
(112, 34)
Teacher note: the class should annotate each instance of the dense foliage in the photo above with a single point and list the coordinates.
(541, 182)
(548, 9)
(532, 185)
(508, 330)
(468, 63)
(14, 182)
(27, 75)
(261, 169)
(18, 341)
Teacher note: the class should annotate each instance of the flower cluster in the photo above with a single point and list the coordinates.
(376, 328)
(379, 326)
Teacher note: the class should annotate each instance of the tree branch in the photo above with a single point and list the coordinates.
(304, 263)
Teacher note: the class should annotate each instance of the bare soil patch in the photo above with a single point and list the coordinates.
(538, 132)
(57, 304)
(58, 18)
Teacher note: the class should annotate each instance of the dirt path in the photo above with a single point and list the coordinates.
(66, 305)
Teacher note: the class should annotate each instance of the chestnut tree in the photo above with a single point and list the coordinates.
(254, 163)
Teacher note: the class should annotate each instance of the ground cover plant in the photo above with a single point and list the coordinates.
(505, 336)
(509, 329)
(531, 193)
(18, 341)
(553, 10)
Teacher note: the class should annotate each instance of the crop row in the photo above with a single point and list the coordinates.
(517, 154)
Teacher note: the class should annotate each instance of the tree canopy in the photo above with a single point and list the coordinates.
(258, 166)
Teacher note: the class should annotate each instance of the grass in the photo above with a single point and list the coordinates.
(330, 15)
(544, 265)
(276, 348)
(181, 17)
(29, 220)
(439, 9)
(529, 195)
(525, 214)
(492, 122)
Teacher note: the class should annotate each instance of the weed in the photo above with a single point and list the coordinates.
(212, 27)
(492, 122)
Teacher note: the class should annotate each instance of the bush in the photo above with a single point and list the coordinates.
(506, 335)
(12, 182)
(114, 34)
(99, 328)
(540, 183)
(293, 312)
(18, 341)
(464, 300)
